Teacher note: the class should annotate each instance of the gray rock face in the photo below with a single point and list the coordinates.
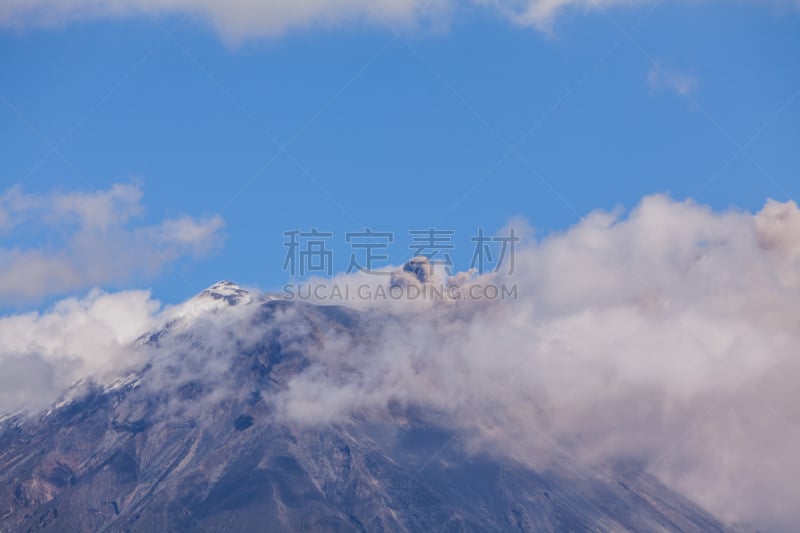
(415, 271)
(188, 443)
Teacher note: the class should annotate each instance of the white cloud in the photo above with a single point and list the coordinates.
(668, 336)
(628, 333)
(41, 354)
(237, 19)
(778, 227)
(189, 236)
(98, 241)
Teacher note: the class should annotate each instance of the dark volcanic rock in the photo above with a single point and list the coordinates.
(243, 422)
(187, 445)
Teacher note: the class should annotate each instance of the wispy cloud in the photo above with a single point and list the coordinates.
(76, 240)
(237, 19)
(661, 78)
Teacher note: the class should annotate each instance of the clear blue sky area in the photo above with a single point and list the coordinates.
(352, 127)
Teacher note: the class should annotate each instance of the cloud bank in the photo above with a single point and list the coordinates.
(42, 354)
(668, 337)
(102, 244)
(238, 19)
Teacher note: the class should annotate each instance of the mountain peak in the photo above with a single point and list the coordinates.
(228, 291)
(222, 292)
(224, 285)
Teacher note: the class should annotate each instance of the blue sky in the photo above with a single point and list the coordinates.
(465, 125)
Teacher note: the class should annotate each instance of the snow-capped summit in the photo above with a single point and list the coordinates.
(228, 291)
(221, 295)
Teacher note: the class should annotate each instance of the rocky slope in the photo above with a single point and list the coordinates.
(191, 441)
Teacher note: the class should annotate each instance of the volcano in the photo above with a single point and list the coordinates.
(192, 439)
